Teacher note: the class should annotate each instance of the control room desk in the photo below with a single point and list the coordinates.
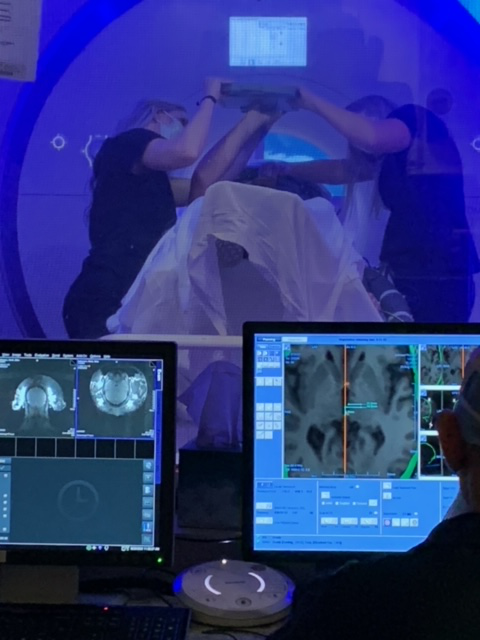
(196, 631)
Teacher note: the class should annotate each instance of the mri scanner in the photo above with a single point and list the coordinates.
(99, 57)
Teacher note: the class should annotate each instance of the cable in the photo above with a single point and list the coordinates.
(155, 570)
(124, 584)
(221, 632)
(158, 596)
(226, 631)
(209, 540)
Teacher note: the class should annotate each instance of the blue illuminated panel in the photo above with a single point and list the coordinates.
(346, 455)
(473, 7)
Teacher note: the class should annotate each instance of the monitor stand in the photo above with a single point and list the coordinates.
(38, 584)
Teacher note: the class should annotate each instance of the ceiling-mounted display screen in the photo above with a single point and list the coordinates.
(268, 42)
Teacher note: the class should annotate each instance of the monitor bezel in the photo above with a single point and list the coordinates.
(154, 350)
(250, 329)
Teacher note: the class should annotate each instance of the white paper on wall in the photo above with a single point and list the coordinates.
(19, 35)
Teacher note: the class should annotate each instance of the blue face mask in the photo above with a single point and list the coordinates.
(172, 129)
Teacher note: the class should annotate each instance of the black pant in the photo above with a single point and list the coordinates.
(438, 299)
(91, 300)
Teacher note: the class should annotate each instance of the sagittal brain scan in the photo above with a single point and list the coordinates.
(115, 400)
(38, 399)
(432, 461)
(349, 411)
(432, 401)
(118, 391)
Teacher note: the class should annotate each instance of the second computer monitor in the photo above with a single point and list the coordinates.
(340, 442)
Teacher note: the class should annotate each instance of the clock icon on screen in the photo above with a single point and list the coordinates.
(78, 500)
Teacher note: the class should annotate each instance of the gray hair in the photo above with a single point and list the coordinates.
(144, 112)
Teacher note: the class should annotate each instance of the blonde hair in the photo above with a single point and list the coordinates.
(143, 113)
(378, 108)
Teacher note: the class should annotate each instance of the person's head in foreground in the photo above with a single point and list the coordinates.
(459, 434)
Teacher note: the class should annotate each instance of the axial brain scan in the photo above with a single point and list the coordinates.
(118, 391)
(373, 388)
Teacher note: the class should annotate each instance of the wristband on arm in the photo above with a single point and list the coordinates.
(209, 97)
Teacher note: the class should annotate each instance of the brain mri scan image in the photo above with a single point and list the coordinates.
(428, 408)
(432, 461)
(433, 401)
(372, 387)
(115, 400)
(36, 396)
(443, 365)
(118, 391)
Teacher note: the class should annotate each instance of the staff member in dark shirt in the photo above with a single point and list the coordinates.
(133, 205)
(427, 247)
(430, 593)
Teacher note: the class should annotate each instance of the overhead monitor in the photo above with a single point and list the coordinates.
(87, 452)
(268, 42)
(341, 449)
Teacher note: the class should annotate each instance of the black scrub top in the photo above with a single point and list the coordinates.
(427, 233)
(130, 210)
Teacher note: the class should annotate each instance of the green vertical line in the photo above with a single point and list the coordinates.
(410, 470)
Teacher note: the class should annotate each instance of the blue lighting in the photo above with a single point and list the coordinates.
(473, 7)
(280, 147)
(456, 20)
(71, 40)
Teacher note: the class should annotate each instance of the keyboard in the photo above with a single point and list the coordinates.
(90, 622)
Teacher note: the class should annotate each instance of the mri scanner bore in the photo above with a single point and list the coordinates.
(133, 200)
(417, 170)
(279, 59)
(406, 154)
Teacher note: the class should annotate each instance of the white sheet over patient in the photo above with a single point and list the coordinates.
(300, 267)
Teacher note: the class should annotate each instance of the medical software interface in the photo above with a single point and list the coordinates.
(346, 455)
(80, 440)
(268, 41)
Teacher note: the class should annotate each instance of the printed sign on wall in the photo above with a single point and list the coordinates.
(19, 34)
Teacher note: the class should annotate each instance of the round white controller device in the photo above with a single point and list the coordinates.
(232, 593)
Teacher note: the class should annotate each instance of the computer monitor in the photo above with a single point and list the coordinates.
(340, 444)
(87, 452)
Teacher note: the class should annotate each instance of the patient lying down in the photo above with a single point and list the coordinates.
(248, 252)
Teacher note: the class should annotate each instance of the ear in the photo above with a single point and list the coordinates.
(453, 445)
